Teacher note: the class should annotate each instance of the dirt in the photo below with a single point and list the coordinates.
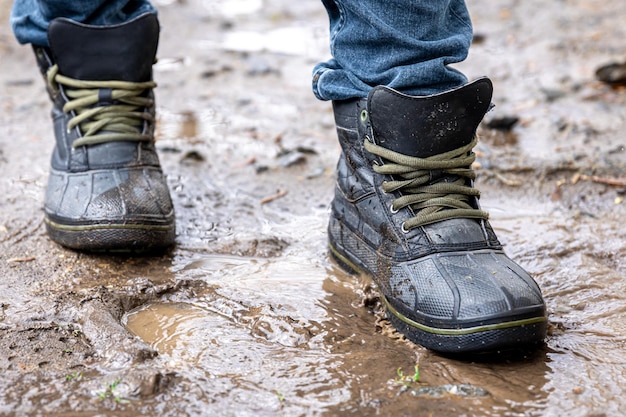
(247, 315)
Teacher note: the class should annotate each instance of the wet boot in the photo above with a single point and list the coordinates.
(106, 190)
(406, 213)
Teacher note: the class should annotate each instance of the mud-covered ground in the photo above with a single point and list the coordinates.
(247, 316)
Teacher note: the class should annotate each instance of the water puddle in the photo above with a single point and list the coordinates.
(257, 334)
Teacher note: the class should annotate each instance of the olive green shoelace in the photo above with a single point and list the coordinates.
(430, 202)
(121, 121)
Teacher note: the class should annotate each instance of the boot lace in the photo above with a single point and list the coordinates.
(120, 121)
(431, 202)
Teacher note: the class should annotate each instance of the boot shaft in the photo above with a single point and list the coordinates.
(98, 60)
(123, 52)
(414, 125)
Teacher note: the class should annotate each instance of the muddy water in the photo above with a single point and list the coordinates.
(247, 316)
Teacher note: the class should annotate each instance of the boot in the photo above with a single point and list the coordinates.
(106, 190)
(406, 213)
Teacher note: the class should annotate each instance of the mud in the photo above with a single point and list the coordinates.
(248, 316)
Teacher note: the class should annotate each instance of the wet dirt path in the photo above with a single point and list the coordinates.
(247, 316)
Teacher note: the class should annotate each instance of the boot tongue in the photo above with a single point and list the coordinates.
(103, 53)
(430, 125)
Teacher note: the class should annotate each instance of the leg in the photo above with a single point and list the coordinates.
(405, 210)
(405, 45)
(106, 190)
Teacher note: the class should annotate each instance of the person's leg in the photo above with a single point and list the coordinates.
(106, 190)
(405, 45)
(30, 18)
(405, 210)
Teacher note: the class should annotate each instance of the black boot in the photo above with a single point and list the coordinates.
(406, 213)
(106, 190)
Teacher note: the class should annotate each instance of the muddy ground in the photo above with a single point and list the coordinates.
(247, 316)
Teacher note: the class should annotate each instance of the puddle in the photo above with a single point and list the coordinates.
(259, 364)
(257, 338)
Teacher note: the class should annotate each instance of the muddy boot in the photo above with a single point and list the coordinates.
(405, 212)
(106, 190)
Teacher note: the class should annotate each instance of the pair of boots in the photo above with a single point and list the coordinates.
(405, 211)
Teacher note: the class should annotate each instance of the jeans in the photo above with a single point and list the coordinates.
(403, 44)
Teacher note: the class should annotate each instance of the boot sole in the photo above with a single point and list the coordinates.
(120, 238)
(507, 334)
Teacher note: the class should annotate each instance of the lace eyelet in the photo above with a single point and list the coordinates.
(363, 115)
(394, 211)
(404, 229)
(367, 138)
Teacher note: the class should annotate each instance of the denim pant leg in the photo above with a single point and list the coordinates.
(403, 44)
(30, 18)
